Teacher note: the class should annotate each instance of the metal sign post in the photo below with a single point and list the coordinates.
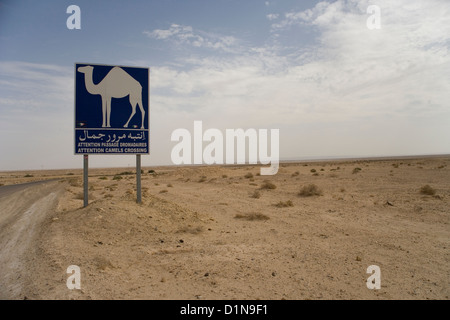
(85, 180)
(138, 178)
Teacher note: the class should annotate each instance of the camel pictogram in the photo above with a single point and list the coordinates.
(116, 84)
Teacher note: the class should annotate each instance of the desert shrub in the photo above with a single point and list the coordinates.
(285, 204)
(356, 170)
(256, 194)
(103, 178)
(164, 191)
(249, 175)
(75, 182)
(151, 171)
(268, 185)
(124, 173)
(224, 176)
(117, 177)
(251, 216)
(80, 196)
(170, 185)
(427, 190)
(28, 176)
(296, 173)
(202, 179)
(310, 190)
(313, 170)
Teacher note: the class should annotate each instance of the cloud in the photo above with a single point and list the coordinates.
(24, 85)
(186, 35)
(272, 16)
(36, 107)
(366, 84)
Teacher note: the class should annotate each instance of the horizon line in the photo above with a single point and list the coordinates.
(281, 161)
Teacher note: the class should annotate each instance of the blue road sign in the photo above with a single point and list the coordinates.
(111, 109)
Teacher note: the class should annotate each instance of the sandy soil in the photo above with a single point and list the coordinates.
(218, 233)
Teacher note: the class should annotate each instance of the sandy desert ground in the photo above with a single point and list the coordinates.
(225, 232)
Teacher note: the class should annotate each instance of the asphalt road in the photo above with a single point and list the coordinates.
(10, 189)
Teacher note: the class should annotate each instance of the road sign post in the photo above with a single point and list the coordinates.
(138, 179)
(112, 113)
(85, 180)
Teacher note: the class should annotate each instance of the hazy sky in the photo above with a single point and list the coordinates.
(313, 70)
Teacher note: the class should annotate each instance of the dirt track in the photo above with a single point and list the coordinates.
(23, 208)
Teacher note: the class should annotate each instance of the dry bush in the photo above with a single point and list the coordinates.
(252, 216)
(164, 191)
(427, 190)
(202, 179)
(356, 170)
(75, 182)
(296, 173)
(310, 190)
(249, 175)
(80, 196)
(285, 204)
(170, 185)
(268, 185)
(256, 194)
